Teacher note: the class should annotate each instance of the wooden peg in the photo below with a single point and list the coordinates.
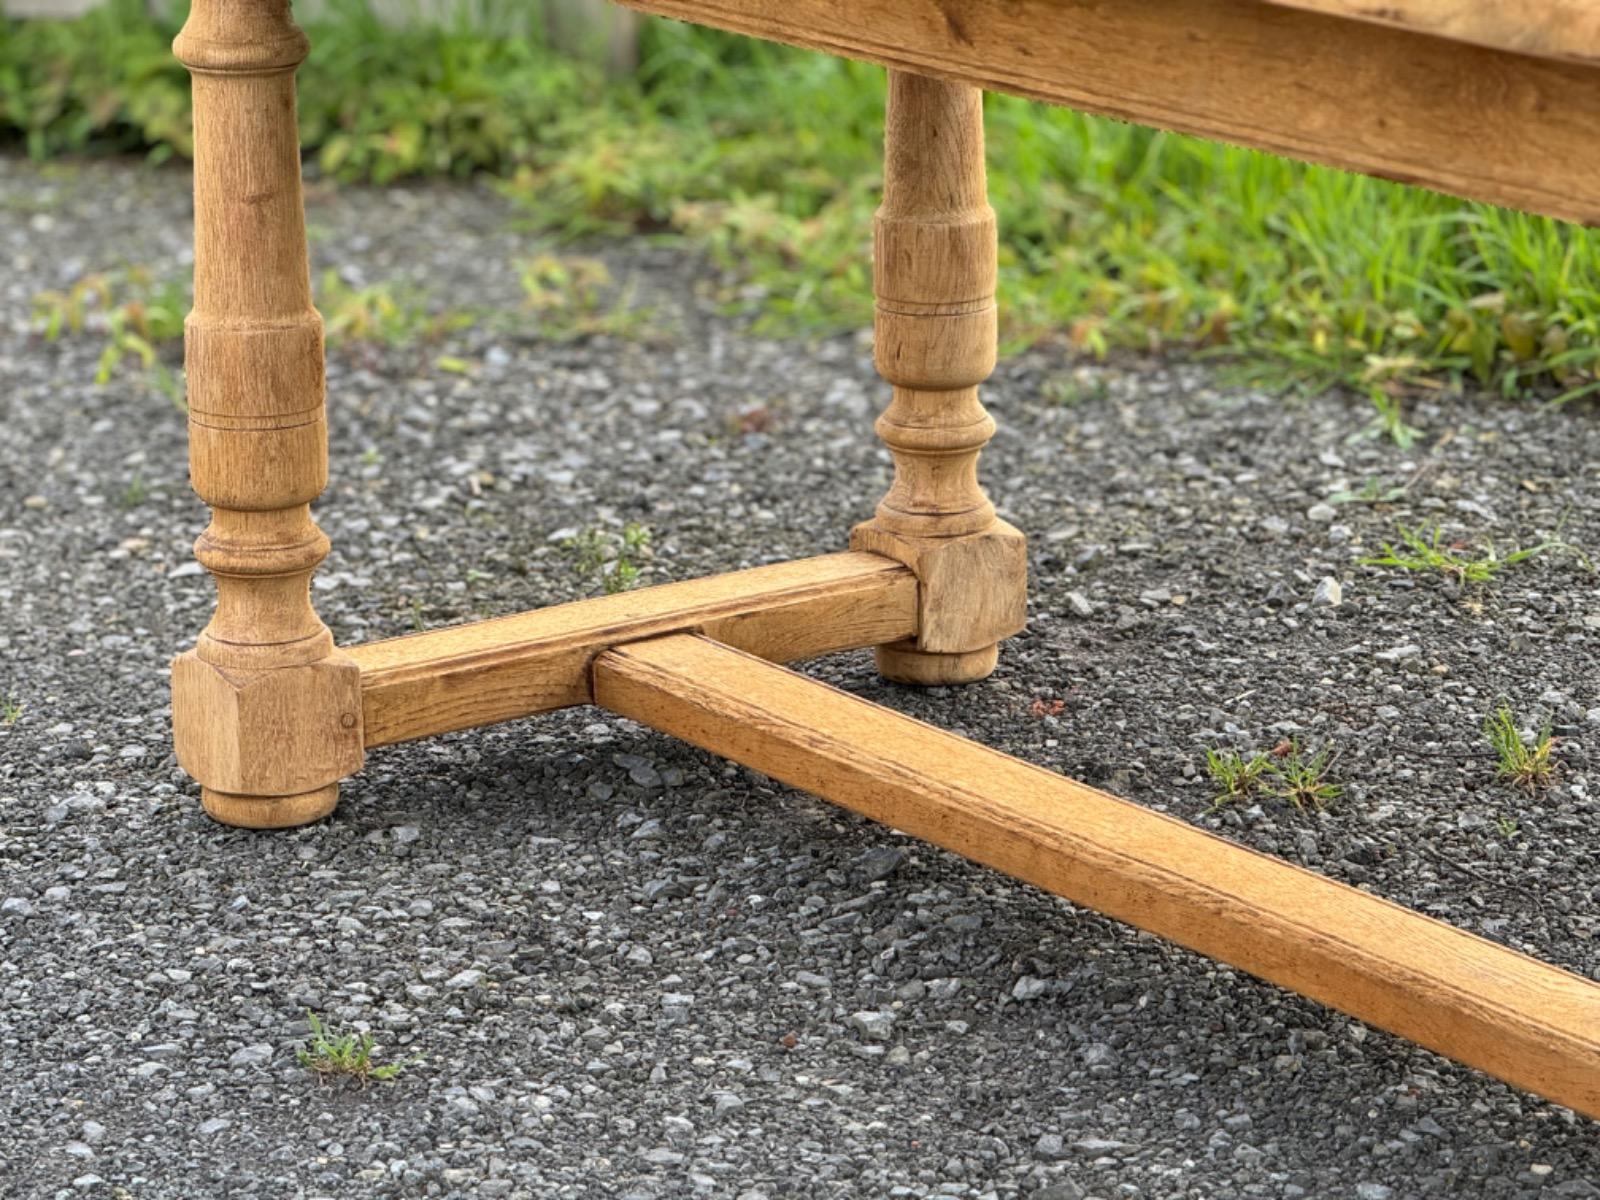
(266, 714)
(935, 340)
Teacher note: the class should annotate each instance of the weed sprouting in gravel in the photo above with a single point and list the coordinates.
(1373, 491)
(615, 558)
(1236, 777)
(1417, 551)
(1300, 780)
(1080, 387)
(136, 313)
(1507, 827)
(1526, 764)
(10, 710)
(395, 314)
(136, 492)
(346, 1054)
(1388, 421)
(568, 296)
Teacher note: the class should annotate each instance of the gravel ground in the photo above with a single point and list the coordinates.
(634, 970)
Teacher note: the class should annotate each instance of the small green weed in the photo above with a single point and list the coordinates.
(567, 294)
(346, 1054)
(1529, 767)
(1372, 491)
(136, 492)
(1236, 777)
(615, 558)
(1077, 388)
(10, 710)
(1389, 421)
(1507, 827)
(392, 313)
(136, 314)
(1419, 552)
(1303, 781)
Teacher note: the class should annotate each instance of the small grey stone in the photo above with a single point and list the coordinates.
(1398, 653)
(1051, 1146)
(1029, 987)
(1079, 604)
(879, 863)
(213, 1126)
(724, 1103)
(874, 1026)
(1373, 1191)
(1063, 1189)
(1098, 1146)
(16, 906)
(1329, 593)
(1098, 1054)
(253, 1055)
(1322, 514)
(471, 977)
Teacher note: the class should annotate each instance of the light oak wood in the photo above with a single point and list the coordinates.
(933, 273)
(1476, 121)
(934, 252)
(534, 662)
(266, 715)
(1546, 28)
(1519, 1019)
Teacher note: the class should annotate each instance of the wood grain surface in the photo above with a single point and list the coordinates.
(532, 662)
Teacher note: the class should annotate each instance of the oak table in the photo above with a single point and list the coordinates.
(1498, 102)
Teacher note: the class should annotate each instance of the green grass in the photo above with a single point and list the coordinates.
(10, 710)
(137, 491)
(1416, 551)
(1235, 776)
(1287, 773)
(613, 558)
(1302, 780)
(395, 314)
(135, 313)
(1113, 236)
(573, 295)
(346, 1055)
(1528, 765)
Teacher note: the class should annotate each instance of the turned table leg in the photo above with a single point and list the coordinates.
(934, 276)
(266, 714)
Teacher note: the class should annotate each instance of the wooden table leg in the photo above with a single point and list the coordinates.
(266, 714)
(934, 275)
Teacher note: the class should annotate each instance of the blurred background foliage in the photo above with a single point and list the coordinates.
(1112, 235)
